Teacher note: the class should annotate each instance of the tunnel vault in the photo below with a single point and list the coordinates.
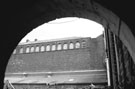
(47, 10)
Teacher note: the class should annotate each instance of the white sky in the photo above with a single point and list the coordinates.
(66, 27)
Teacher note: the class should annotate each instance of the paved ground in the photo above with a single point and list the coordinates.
(87, 76)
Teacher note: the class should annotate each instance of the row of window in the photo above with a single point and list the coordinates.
(51, 47)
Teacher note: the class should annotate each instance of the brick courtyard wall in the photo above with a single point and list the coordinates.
(89, 58)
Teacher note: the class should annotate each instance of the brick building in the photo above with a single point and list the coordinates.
(58, 55)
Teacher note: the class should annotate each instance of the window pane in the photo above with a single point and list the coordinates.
(48, 48)
(77, 45)
(59, 47)
(32, 49)
(21, 50)
(37, 49)
(42, 48)
(65, 46)
(27, 50)
(83, 44)
(71, 46)
(53, 47)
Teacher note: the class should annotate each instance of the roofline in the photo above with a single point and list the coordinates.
(51, 40)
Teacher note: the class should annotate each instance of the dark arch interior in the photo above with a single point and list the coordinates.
(24, 20)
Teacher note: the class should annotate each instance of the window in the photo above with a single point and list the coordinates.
(59, 47)
(65, 46)
(83, 44)
(14, 52)
(71, 46)
(53, 47)
(32, 49)
(37, 49)
(77, 45)
(42, 48)
(48, 48)
(21, 50)
(27, 50)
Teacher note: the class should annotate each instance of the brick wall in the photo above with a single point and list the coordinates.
(88, 58)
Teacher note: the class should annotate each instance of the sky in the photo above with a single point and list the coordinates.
(64, 28)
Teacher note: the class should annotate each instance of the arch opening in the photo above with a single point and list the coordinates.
(70, 33)
(111, 22)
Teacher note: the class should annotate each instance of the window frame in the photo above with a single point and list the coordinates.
(32, 49)
(53, 47)
(77, 45)
(59, 46)
(65, 45)
(21, 50)
(48, 49)
(27, 49)
(71, 43)
(83, 44)
(42, 48)
(37, 48)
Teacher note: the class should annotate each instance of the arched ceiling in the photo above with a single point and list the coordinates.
(18, 15)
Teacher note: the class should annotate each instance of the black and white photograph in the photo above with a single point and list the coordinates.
(68, 44)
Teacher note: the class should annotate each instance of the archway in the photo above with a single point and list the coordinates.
(45, 11)
(52, 10)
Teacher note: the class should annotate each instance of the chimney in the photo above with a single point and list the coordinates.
(27, 40)
(36, 39)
